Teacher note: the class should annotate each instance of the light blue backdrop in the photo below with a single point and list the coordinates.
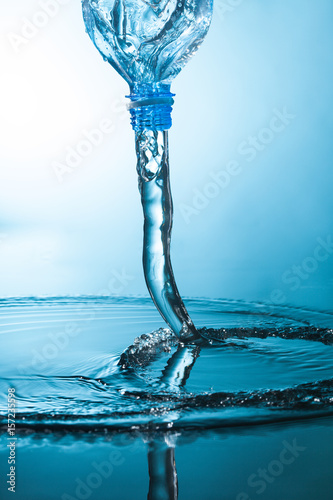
(251, 158)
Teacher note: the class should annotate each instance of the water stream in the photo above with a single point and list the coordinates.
(154, 186)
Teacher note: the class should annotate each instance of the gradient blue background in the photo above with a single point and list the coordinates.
(79, 235)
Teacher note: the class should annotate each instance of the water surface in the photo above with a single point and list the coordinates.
(74, 363)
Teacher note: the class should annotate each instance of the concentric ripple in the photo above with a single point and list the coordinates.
(73, 363)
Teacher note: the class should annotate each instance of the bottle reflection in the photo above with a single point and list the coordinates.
(163, 480)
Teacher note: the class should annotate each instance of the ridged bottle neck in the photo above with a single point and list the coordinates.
(150, 106)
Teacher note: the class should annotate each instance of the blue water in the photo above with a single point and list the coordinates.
(73, 363)
(88, 396)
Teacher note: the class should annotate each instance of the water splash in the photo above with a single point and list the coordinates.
(259, 364)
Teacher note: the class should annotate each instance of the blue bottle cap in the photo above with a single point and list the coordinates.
(150, 106)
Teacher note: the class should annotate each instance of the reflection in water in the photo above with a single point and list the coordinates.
(179, 367)
(265, 368)
(163, 480)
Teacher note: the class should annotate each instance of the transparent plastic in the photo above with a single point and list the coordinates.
(147, 42)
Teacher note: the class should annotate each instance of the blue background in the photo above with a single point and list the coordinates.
(80, 231)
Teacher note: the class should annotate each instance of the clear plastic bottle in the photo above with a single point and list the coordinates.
(148, 43)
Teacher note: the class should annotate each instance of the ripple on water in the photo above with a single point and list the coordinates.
(74, 362)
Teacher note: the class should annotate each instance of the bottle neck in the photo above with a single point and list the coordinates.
(150, 106)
